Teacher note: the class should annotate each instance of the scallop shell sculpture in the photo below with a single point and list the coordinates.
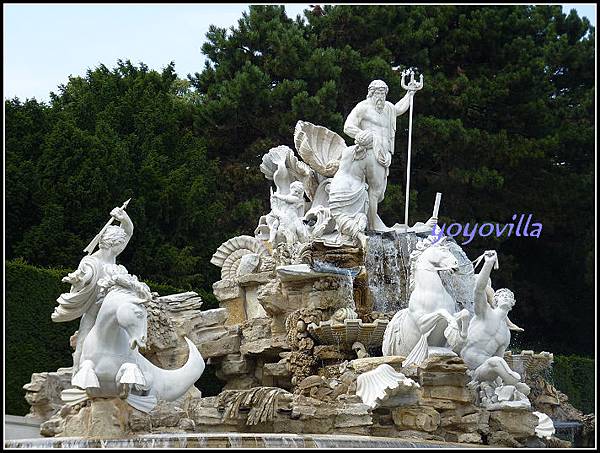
(271, 159)
(385, 386)
(229, 255)
(319, 147)
(299, 170)
(545, 427)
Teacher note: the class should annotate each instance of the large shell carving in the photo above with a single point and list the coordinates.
(319, 147)
(377, 387)
(271, 159)
(545, 427)
(229, 255)
(299, 170)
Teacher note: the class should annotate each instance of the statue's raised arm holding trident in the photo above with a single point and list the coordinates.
(412, 87)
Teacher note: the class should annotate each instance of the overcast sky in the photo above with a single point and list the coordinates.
(45, 43)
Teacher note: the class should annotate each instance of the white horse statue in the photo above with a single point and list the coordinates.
(111, 364)
(430, 319)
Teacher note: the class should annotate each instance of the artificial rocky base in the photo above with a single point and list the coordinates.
(444, 411)
(278, 379)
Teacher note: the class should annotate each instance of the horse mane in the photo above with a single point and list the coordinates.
(125, 281)
(422, 245)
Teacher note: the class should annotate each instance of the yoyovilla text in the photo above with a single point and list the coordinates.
(520, 227)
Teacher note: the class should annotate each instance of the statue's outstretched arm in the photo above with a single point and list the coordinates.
(403, 104)
(481, 303)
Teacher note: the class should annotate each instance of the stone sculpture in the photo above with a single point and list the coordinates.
(350, 180)
(305, 308)
(384, 386)
(488, 336)
(107, 361)
(239, 255)
(545, 427)
(111, 364)
(431, 310)
(373, 122)
(348, 196)
(284, 222)
(83, 300)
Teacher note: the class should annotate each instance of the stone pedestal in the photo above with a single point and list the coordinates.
(100, 418)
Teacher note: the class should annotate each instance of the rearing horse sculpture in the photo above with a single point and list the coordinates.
(431, 310)
(111, 364)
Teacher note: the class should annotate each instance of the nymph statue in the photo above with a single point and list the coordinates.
(348, 192)
(284, 222)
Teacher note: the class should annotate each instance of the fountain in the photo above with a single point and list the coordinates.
(333, 329)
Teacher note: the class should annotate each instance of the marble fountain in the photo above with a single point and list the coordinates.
(334, 330)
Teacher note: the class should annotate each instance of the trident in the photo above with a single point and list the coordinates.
(92, 245)
(411, 86)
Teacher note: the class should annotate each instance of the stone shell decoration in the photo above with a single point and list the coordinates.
(545, 427)
(319, 147)
(299, 170)
(377, 386)
(231, 256)
(349, 332)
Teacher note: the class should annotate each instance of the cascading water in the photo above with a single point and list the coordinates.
(345, 280)
(388, 269)
(460, 284)
(231, 440)
(568, 430)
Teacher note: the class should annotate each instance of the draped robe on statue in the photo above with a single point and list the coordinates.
(83, 299)
(348, 197)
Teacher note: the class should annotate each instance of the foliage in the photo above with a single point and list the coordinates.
(107, 137)
(575, 376)
(503, 126)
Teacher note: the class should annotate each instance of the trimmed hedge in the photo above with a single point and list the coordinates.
(33, 343)
(575, 376)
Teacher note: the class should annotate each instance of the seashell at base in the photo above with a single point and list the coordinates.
(385, 387)
(545, 427)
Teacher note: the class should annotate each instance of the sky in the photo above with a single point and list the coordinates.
(45, 43)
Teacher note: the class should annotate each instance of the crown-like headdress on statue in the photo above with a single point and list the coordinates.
(377, 84)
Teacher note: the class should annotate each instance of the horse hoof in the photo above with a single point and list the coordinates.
(86, 376)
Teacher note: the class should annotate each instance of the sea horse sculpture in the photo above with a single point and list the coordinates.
(430, 317)
(111, 364)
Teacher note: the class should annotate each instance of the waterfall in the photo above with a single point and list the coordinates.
(461, 284)
(568, 430)
(388, 268)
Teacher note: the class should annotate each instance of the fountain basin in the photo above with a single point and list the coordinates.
(234, 440)
(351, 331)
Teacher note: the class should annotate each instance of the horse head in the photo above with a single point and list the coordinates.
(133, 318)
(131, 313)
(438, 257)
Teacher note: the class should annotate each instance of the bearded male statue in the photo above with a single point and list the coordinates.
(373, 121)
